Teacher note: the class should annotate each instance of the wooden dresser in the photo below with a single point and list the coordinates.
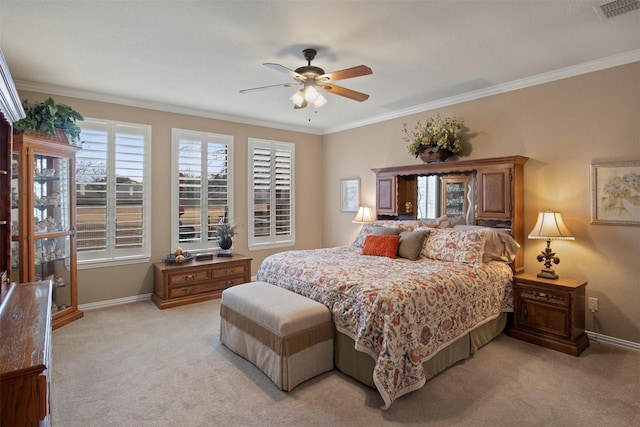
(198, 281)
(25, 355)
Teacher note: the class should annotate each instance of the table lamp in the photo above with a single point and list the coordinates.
(364, 215)
(549, 227)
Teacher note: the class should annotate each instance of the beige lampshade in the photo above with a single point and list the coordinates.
(550, 227)
(364, 215)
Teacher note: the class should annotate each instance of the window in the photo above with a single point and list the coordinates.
(112, 192)
(428, 196)
(201, 187)
(271, 194)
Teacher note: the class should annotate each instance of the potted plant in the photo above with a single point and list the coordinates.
(46, 117)
(436, 139)
(225, 232)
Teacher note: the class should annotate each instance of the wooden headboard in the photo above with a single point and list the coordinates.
(497, 192)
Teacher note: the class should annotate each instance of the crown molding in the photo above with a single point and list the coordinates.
(563, 73)
(10, 105)
(132, 102)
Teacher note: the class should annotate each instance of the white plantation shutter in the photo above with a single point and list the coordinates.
(271, 194)
(112, 188)
(201, 187)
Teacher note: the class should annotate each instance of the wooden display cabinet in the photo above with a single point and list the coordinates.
(44, 214)
(550, 312)
(455, 194)
(198, 281)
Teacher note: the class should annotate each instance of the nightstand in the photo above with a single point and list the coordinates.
(550, 313)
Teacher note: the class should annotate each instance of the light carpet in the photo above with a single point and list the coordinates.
(136, 365)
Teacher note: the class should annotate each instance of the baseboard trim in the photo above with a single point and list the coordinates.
(616, 342)
(114, 302)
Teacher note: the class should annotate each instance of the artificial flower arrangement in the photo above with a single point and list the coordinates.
(225, 229)
(435, 134)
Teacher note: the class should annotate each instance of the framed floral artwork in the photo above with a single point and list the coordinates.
(615, 193)
(350, 195)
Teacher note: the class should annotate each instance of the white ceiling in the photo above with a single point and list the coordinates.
(195, 56)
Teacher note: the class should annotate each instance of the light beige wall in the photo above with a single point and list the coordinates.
(562, 127)
(101, 284)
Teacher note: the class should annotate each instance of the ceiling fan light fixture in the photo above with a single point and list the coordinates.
(297, 98)
(320, 101)
(311, 93)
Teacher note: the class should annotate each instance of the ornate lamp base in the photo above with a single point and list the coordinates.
(548, 273)
(548, 256)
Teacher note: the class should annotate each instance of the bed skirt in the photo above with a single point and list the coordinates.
(360, 365)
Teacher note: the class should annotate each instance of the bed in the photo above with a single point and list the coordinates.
(402, 319)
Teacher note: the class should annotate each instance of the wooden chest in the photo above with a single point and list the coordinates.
(198, 281)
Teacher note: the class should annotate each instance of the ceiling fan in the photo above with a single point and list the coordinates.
(313, 78)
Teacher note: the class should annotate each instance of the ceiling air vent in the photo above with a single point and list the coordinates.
(618, 7)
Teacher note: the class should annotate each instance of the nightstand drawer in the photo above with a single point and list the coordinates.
(546, 296)
(188, 277)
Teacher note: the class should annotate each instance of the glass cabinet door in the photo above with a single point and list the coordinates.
(52, 222)
(51, 194)
(52, 262)
(455, 190)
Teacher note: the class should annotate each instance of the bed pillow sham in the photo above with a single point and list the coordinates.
(365, 231)
(451, 245)
(499, 244)
(386, 246)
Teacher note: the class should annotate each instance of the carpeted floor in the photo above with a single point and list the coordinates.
(135, 365)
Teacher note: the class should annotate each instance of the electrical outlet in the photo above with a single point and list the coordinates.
(593, 304)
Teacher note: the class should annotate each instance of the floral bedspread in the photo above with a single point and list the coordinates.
(400, 312)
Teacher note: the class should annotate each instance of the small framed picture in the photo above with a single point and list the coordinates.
(615, 193)
(350, 195)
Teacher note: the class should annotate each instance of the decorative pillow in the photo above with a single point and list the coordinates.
(411, 243)
(379, 230)
(499, 245)
(365, 231)
(451, 245)
(381, 246)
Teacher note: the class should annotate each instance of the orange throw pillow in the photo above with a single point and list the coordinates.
(381, 246)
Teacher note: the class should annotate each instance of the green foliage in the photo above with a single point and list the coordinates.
(224, 229)
(433, 135)
(46, 117)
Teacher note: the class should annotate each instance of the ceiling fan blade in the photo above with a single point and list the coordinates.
(269, 87)
(347, 73)
(285, 70)
(348, 93)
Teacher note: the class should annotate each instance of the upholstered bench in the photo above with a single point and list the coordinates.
(287, 336)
